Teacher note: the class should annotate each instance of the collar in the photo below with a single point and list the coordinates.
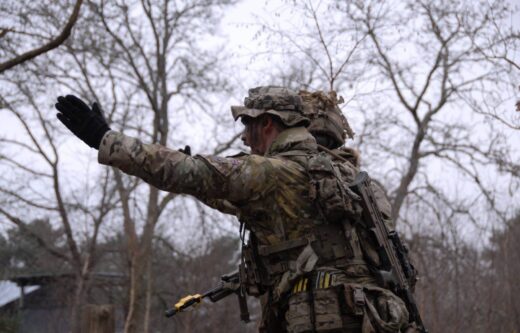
(294, 138)
(350, 154)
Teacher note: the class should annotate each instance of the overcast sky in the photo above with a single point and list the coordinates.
(239, 25)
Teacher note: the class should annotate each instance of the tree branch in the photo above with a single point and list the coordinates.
(47, 47)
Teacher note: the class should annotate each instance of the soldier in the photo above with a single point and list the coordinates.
(304, 257)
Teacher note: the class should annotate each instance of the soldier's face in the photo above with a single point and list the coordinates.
(251, 136)
(258, 133)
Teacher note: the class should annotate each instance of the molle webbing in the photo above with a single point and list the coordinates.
(329, 241)
(266, 250)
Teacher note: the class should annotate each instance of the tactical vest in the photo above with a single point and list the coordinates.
(332, 235)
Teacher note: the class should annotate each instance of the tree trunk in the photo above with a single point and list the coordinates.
(98, 319)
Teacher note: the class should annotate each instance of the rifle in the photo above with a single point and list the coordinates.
(228, 285)
(396, 272)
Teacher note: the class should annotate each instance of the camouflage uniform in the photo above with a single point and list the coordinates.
(310, 273)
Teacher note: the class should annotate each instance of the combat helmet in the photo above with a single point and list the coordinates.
(281, 102)
(326, 118)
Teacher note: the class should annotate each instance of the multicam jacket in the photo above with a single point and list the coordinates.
(269, 192)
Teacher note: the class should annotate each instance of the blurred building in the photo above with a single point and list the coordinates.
(41, 302)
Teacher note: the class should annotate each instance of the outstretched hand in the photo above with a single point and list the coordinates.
(86, 123)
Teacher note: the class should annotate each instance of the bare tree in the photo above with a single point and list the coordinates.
(316, 48)
(450, 73)
(16, 38)
(145, 62)
(501, 46)
(37, 185)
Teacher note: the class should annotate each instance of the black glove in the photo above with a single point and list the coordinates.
(186, 150)
(87, 124)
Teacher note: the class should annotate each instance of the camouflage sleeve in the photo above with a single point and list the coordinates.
(205, 177)
(222, 206)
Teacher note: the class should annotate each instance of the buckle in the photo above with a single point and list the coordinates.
(359, 296)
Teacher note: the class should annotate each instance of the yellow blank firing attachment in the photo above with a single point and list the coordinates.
(184, 303)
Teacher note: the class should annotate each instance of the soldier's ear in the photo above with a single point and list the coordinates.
(266, 121)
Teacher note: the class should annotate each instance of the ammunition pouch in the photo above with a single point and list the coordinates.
(317, 310)
(299, 313)
(322, 309)
(314, 306)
